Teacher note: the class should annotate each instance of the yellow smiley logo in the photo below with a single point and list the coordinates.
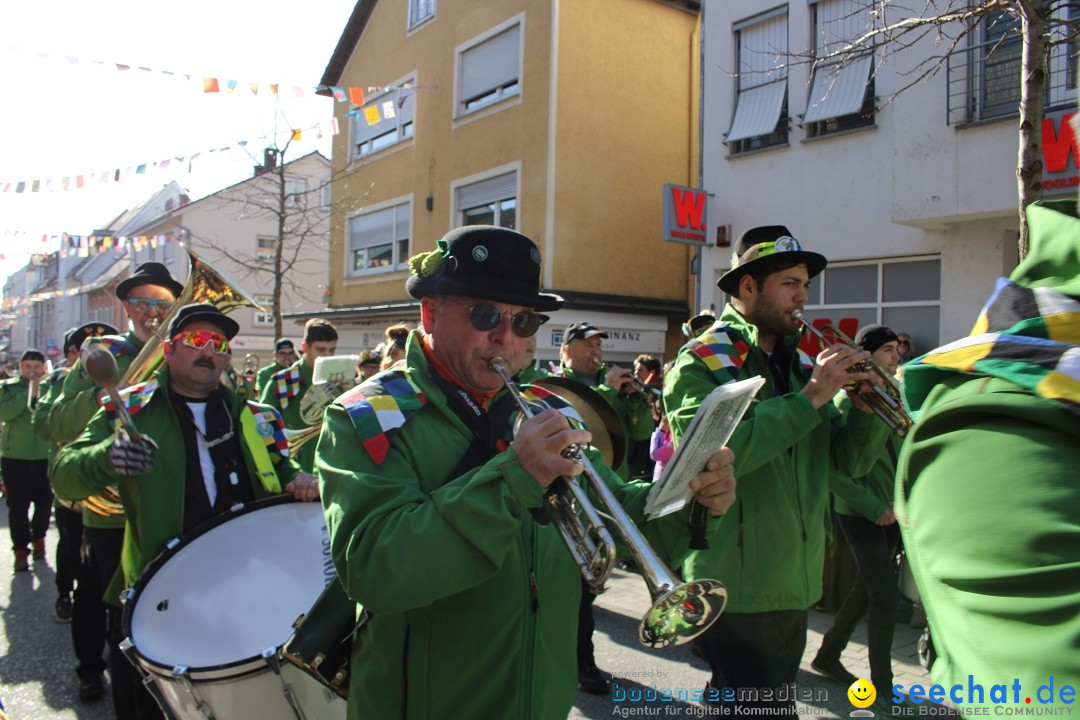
(861, 693)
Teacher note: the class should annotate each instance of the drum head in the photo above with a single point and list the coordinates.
(231, 588)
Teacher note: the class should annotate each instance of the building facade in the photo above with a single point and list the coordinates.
(561, 120)
(909, 189)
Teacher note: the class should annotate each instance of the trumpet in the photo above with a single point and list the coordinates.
(251, 365)
(884, 401)
(680, 611)
(33, 389)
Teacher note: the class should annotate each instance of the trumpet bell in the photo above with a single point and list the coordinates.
(679, 615)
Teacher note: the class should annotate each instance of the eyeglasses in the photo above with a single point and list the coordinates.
(199, 339)
(485, 316)
(145, 304)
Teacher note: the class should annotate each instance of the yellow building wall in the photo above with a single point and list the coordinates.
(626, 118)
(627, 123)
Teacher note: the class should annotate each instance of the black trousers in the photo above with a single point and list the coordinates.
(755, 651)
(875, 590)
(27, 484)
(88, 621)
(131, 700)
(586, 625)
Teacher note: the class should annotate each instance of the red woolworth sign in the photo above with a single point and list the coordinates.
(810, 344)
(1060, 152)
(684, 215)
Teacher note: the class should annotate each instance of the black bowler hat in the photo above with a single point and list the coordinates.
(871, 337)
(485, 262)
(149, 273)
(205, 312)
(75, 337)
(767, 243)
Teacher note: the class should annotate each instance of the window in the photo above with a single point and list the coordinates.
(761, 115)
(489, 70)
(489, 202)
(379, 240)
(384, 121)
(267, 249)
(262, 319)
(841, 92)
(296, 193)
(419, 11)
(984, 79)
(903, 294)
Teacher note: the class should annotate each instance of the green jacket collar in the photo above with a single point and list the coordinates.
(750, 333)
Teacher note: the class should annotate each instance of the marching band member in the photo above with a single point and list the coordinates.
(284, 356)
(770, 548)
(286, 388)
(216, 450)
(469, 603)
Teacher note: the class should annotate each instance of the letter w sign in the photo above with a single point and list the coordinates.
(684, 215)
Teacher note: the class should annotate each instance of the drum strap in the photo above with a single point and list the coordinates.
(260, 455)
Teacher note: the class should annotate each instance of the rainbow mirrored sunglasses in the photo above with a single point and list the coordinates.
(199, 339)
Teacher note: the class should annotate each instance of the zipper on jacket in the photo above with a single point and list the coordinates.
(535, 591)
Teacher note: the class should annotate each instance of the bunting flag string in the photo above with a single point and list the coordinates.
(79, 181)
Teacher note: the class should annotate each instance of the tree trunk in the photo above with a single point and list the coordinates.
(1032, 93)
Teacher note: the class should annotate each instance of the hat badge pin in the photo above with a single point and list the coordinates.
(480, 253)
(786, 243)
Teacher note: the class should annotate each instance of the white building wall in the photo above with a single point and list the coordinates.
(909, 186)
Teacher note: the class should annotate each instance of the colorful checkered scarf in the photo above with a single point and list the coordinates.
(379, 407)
(135, 398)
(287, 384)
(1028, 336)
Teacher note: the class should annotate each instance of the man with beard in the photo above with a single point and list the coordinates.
(770, 547)
(216, 450)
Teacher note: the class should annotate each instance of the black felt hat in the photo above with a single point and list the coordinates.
(767, 243)
(149, 273)
(485, 262)
(75, 337)
(207, 313)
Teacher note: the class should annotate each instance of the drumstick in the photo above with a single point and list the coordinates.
(101, 367)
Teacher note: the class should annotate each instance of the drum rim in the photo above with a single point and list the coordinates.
(165, 555)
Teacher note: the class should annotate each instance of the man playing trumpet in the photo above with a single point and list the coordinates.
(770, 548)
(25, 459)
(431, 501)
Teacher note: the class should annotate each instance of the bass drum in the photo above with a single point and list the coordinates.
(206, 618)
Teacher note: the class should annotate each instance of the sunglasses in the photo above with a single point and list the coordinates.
(145, 304)
(485, 316)
(199, 339)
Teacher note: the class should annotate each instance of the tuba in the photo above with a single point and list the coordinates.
(680, 611)
(884, 401)
(204, 285)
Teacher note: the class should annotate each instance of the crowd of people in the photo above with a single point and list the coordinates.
(437, 502)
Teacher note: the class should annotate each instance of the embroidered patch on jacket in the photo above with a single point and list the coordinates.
(378, 408)
(271, 428)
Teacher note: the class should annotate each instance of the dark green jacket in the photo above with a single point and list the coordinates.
(17, 439)
(291, 410)
(263, 376)
(771, 543)
(153, 501)
(871, 495)
(473, 603)
(635, 415)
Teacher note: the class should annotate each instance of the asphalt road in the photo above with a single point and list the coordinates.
(38, 681)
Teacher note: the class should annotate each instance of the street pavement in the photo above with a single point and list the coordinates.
(38, 681)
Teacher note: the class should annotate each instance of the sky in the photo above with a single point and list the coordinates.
(69, 111)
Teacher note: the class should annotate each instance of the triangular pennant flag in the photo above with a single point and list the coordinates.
(338, 92)
(210, 85)
(254, 87)
(273, 89)
(388, 109)
(356, 95)
(231, 85)
(298, 91)
(297, 134)
(371, 114)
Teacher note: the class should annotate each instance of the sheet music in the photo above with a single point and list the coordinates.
(710, 428)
